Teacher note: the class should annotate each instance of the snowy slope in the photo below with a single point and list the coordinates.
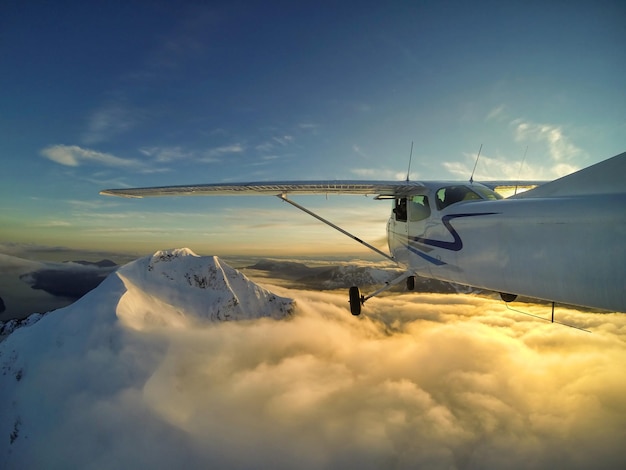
(95, 351)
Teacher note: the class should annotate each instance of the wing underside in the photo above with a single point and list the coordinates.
(379, 188)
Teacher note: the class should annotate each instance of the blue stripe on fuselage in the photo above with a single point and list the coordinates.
(457, 243)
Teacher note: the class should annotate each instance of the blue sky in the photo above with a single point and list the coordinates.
(116, 94)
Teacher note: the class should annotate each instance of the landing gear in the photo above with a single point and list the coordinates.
(356, 301)
(410, 283)
(508, 297)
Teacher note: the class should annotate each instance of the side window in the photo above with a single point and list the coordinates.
(419, 208)
(400, 210)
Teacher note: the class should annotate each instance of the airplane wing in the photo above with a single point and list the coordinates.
(378, 188)
(604, 177)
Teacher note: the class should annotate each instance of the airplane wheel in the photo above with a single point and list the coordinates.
(508, 297)
(355, 301)
(410, 283)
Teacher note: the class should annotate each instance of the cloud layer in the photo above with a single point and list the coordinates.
(421, 381)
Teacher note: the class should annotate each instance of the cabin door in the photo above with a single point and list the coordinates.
(399, 229)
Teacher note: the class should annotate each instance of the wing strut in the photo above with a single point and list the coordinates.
(329, 223)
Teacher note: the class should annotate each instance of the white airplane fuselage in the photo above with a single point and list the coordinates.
(564, 249)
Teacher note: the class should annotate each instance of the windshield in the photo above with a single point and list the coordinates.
(453, 194)
(487, 193)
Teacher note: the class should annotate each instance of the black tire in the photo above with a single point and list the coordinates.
(410, 283)
(355, 301)
(508, 297)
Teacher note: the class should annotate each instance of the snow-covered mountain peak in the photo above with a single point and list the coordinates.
(175, 286)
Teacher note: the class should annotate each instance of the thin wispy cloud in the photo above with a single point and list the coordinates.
(496, 113)
(560, 148)
(265, 160)
(151, 171)
(359, 151)
(494, 168)
(53, 223)
(551, 155)
(108, 122)
(308, 127)
(382, 174)
(91, 205)
(265, 147)
(165, 154)
(151, 232)
(74, 156)
(284, 140)
(217, 152)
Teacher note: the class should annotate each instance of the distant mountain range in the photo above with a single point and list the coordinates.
(343, 276)
(71, 279)
(28, 287)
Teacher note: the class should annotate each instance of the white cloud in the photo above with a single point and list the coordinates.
(73, 155)
(421, 381)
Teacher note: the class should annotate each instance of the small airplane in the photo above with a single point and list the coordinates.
(562, 241)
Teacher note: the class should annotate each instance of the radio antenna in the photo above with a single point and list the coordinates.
(520, 171)
(476, 163)
(410, 158)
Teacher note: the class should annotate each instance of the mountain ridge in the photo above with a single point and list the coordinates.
(174, 286)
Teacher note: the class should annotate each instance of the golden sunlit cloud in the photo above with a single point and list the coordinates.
(422, 381)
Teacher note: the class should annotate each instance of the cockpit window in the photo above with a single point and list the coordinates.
(453, 194)
(487, 193)
(418, 208)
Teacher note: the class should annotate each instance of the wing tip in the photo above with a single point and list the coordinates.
(118, 193)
